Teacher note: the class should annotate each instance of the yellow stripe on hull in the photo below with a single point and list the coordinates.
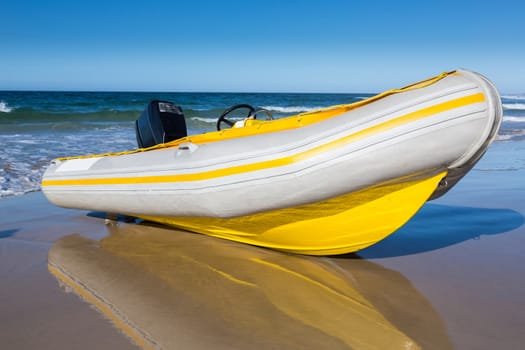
(339, 225)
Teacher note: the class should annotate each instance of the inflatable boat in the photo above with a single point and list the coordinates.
(330, 181)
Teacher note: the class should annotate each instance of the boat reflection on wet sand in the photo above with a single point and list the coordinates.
(189, 291)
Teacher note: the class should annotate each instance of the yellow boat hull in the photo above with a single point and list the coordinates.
(336, 226)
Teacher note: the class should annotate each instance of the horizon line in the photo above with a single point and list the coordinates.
(191, 91)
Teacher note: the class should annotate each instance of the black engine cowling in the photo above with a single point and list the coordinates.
(160, 122)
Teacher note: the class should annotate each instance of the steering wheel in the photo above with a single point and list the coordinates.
(251, 115)
(222, 118)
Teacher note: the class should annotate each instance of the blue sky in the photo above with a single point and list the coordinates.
(304, 46)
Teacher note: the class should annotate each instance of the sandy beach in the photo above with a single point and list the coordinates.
(452, 278)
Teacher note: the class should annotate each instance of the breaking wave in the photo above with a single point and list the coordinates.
(509, 135)
(514, 106)
(514, 97)
(4, 108)
(204, 120)
(290, 109)
(514, 119)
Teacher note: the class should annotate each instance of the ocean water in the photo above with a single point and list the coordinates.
(36, 127)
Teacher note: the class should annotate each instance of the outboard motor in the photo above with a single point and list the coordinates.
(160, 122)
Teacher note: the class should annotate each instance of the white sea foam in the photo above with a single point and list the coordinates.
(5, 193)
(28, 142)
(506, 137)
(4, 108)
(514, 119)
(204, 120)
(213, 120)
(520, 106)
(514, 97)
(23, 160)
(291, 109)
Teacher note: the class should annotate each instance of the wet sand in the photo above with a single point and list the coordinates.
(452, 278)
